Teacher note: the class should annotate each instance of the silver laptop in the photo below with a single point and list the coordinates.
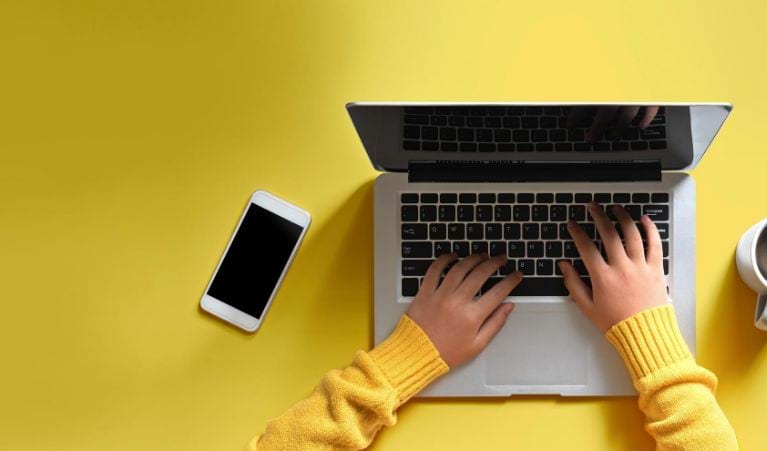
(505, 178)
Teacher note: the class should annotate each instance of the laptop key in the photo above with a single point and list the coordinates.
(521, 213)
(534, 249)
(409, 286)
(541, 286)
(516, 249)
(540, 213)
(640, 198)
(448, 198)
(526, 266)
(512, 231)
(416, 249)
(582, 198)
(549, 231)
(486, 198)
(437, 231)
(484, 213)
(544, 267)
(635, 211)
(665, 266)
(428, 213)
(409, 198)
(428, 198)
(479, 247)
(577, 213)
(602, 198)
(446, 213)
(414, 231)
(461, 248)
(415, 267)
(474, 231)
(497, 248)
(441, 247)
(493, 231)
(656, 212)
(553, 249)
(570, 250)
(660, 197)
(502, 213)
(456, 231)
(467, 198)
(525, 198)
(663, 229)
(530, 231)
(465, 213)
(409, 213)
(621, 198)
(508, 268)
(558, 213)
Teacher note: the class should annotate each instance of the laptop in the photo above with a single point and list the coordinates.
(505, 178)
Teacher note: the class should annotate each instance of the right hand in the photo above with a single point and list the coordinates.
(459, 325)
(628, 282)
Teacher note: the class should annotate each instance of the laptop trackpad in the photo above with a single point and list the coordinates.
(541, 344)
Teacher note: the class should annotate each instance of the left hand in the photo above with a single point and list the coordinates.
(459, 325)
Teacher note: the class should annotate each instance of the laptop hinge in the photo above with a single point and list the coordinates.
(533, 171)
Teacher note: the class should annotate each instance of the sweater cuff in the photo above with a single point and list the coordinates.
(649, 340)
(408, 359)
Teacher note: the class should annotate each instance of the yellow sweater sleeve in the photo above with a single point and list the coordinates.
(675, 394)
(351, 405)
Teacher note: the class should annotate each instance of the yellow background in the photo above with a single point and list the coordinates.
(133, 132)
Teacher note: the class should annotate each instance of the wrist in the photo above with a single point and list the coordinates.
(408, 359)
(649, 341)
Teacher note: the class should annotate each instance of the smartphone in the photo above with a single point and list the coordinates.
(255, 261)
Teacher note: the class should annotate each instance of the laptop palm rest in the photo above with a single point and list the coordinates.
(541, 344)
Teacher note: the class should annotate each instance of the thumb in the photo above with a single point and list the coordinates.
(493, 324)
(579, 291)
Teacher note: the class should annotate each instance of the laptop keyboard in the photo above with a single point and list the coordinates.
(530, 228)
(519, 129)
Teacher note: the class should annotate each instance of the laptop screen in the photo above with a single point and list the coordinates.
(673, 134)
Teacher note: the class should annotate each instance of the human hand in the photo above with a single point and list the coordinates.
(459, 326)
(618, 117)
(629, 282)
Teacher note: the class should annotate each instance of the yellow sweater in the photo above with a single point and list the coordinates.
(349, 406)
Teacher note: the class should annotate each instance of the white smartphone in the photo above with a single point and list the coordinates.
(255, 261)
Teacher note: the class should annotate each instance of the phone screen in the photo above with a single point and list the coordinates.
(255, 260)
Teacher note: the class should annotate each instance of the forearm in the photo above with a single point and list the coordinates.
(675, 394)
(350, 406)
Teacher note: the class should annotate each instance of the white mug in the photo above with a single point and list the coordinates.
(751, 258)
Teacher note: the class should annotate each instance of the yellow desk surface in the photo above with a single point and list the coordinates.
(133, 132)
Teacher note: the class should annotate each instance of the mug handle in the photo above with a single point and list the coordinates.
(760, 319)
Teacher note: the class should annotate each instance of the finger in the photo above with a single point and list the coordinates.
(626, 115)
(456, 275)
(493, 325)
(610, 239)
(586, 248)
(654, 247)
(434, 273)
(602, 120)
(649, 114)
(631, 236)
(493, 298)
(479, 275)
(579, 291)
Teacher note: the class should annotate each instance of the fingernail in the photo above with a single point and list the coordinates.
(571, 223)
